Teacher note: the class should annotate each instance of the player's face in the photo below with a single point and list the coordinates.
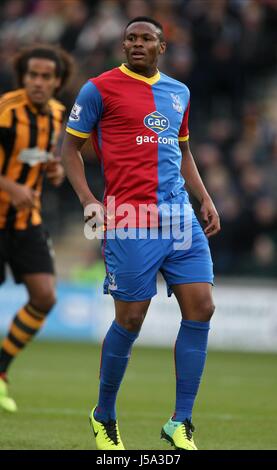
(40, 80)
(142, 47)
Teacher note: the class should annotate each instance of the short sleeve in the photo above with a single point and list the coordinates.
(184, 129)
(86, 112)
(5, 118)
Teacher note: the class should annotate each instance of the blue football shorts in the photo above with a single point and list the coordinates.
(132, 263)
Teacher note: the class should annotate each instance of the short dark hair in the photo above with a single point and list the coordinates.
(62, 60)
(147, 19)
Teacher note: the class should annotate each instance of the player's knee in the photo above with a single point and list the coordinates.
(206, 310)
(133, 322)
(44, 300)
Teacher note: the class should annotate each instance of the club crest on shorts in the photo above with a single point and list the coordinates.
(112, 281)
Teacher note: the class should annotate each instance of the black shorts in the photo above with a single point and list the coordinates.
(26, 252)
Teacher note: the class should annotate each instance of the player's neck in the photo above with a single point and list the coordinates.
(42, 108)
(148, 73)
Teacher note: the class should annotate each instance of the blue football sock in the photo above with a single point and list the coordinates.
(190, 356)
(116, 352)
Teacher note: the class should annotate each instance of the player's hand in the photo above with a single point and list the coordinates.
(23, 197)
(94, 218)
(210, 217)
(55, 172)
(94, 212)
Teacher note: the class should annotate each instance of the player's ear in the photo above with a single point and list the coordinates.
(24, 80)
(162, 47)
(58, 82)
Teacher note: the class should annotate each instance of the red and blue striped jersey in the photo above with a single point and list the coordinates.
(136, 124)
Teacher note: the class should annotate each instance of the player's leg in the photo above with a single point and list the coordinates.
(30, 318)
(6, 403)
(116, 352)
(197, 308)
(29, 253)
(132, 266)
(189, 275)
(25, 325)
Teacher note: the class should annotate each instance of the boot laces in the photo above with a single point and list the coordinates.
(188, 429)
(111, 431)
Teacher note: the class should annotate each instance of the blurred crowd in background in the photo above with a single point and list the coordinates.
(226, 52)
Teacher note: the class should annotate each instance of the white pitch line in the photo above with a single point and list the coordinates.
(72, 411)
(53, 411)
(199, 415)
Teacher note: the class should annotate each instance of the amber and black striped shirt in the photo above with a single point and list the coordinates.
(25, 133)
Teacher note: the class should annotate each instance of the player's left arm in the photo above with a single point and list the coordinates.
(54, 169)
(196, 186)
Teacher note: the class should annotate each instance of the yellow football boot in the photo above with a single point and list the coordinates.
(106, 434)
(6, 403)
(179, 434)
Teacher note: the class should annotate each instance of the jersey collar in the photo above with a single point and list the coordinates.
(137, 76)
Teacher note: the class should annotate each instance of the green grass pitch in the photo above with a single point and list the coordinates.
(55, 385)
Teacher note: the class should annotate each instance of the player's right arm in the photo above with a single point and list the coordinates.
(74, 168)
(85, 114)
